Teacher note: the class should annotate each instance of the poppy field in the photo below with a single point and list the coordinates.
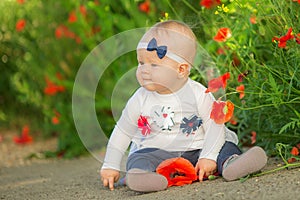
(255, 46)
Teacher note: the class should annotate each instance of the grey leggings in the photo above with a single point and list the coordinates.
(149, 158)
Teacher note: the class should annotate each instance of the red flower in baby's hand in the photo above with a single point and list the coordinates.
(222, 111)
(178, 171)
(222, 35)
(217, 83)
(24, 138)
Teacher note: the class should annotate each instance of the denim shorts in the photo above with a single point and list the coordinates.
(149, 158)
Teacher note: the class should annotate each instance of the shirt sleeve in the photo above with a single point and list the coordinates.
(214, 137)
(123, 132)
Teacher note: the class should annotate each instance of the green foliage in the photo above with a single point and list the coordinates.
(271, 103)
(48, 52)
(50, 49)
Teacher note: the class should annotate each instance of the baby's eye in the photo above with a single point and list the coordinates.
(154, 65)
(141, 63)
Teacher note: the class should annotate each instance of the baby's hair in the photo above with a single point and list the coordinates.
(178, 27)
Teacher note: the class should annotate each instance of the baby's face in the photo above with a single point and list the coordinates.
(155, 74)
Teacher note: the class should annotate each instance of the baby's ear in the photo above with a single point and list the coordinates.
(183, 70)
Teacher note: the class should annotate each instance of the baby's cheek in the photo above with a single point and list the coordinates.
(138, 76)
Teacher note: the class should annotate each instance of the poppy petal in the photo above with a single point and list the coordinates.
(222, 35)
(222, 111)
(178, 171)
(215, 84)
(241, 89)
(295, 151)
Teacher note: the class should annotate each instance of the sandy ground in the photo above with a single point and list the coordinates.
(79, 179)
(12, 154)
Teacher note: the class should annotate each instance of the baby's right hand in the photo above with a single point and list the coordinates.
(109, 177)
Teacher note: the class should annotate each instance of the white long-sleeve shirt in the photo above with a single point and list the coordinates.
(173, 122)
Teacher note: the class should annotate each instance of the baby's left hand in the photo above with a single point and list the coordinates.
(205, 167)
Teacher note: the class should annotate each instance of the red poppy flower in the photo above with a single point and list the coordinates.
(59, 76)
(222, 35)
(215, 84)
(220, 51)
(96, 29)
(24, 138)
(178, 171)
(51, 88)
(82, 10)
(59, 31)
(55, 119)
(235, 61)
(233, 121)
(78, 40)
(209, 3)
(145, 6)
(20, 25)
(242, 76)
(222, 111)
(291, 160)
(240, 89)
(63, 31)
(296, 1)
(298, 37)
(144, 126)
(253, 20)
(253, 137)
(295, 151)
(72, 17)
(282, 40)
(1, 138)
(21, 1)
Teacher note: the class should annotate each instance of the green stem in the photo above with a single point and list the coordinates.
(226, 94)
(173, 9)
(264, 105)
(190, 6)
(284, 160)
(277, 169)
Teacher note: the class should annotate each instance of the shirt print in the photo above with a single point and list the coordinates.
(191, 124)
(163, 117)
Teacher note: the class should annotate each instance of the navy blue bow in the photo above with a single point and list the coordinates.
(160, 50)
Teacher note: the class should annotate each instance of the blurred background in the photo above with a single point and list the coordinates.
(43, 44)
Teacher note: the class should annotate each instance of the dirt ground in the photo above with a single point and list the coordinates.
(21, 178)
